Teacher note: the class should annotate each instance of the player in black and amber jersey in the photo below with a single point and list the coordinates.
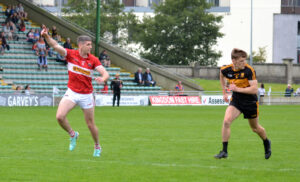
(243, 84)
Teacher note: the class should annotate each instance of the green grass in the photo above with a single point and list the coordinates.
(214, 85)
(148, 144)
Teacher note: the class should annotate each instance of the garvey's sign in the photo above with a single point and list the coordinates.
(174, 100)
(106, 100)
(26, 100)
(214, 100)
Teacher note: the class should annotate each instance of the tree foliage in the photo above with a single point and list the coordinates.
(181, 32)
(260, 56)
(113, 18)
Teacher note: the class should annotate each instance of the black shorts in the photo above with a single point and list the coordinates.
(248, 108)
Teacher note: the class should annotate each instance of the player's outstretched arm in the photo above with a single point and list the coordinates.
(104, 74)
(58, 48)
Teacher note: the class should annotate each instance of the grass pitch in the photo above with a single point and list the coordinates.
(148, 144)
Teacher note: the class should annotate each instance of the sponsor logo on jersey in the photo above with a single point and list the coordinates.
(85, 72)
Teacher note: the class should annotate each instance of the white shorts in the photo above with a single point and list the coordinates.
(85, 101)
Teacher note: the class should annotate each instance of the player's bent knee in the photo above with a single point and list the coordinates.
(60, 118)
(226, 123)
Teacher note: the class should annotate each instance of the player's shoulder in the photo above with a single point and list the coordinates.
(224, 67)
(92, 57)
(249, 68)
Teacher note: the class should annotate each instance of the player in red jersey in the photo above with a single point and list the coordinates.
(81, 64)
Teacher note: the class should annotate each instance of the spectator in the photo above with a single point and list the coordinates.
(7, 31)
(13, 30)
(104, 59)
(18, 90)
(261, 90)
(105, 88)
(30, 36)
(297, 93)
(36, 35)
(1, 68)
(22, 27)
(68, 44)
(288, 91)
(7, 11)
(15, 18)
(138, 77)
(4, 44)
(179, 88)
(55, 35)
(116, 86)
(20, 9)
(42, 54)
(28, 90)
(148, 79)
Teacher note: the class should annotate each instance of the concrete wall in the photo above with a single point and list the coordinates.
(285, 39)
(271, 73)
(118, 57)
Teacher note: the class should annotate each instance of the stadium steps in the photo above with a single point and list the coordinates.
(20, 68)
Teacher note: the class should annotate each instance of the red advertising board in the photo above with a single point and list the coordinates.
(174, 100)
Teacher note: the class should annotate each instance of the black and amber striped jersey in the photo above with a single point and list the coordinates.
(241, 79)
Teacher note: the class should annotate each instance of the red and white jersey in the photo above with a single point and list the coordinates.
(80, 71)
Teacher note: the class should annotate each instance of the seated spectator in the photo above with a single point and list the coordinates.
(7, 32)
(1, 69)
(20, 9)
(138, 77)
(36, 35)
(68, 44)
(179, 88)
(148, 79)
(55, 35)
(4, 44)
(28, 90)
(22, 27)
(42, 54)
(15, 18)
(13, 30)
(288, 91)
(105, 88)
(104, 59)
(18, 90)
(30, 36)
(7, 11)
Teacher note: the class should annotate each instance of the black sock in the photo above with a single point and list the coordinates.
(266, 143)
(225, 144)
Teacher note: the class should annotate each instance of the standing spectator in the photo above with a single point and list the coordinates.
(68, 44)
(179, 88)
(261, 90)
(148, 79)
(288, 91)
(116, 86)
(4, 44)
(105, 88)
(138, 77)
(42, 54)
(104, 59)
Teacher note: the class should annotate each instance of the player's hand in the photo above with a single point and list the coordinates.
(225, 97)
(44, 32)
(99, 80)
(233, 87)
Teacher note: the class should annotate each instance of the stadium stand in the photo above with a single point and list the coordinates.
(20, 68)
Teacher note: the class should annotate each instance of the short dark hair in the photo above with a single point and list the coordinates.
(83, 38)
(238, 53)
